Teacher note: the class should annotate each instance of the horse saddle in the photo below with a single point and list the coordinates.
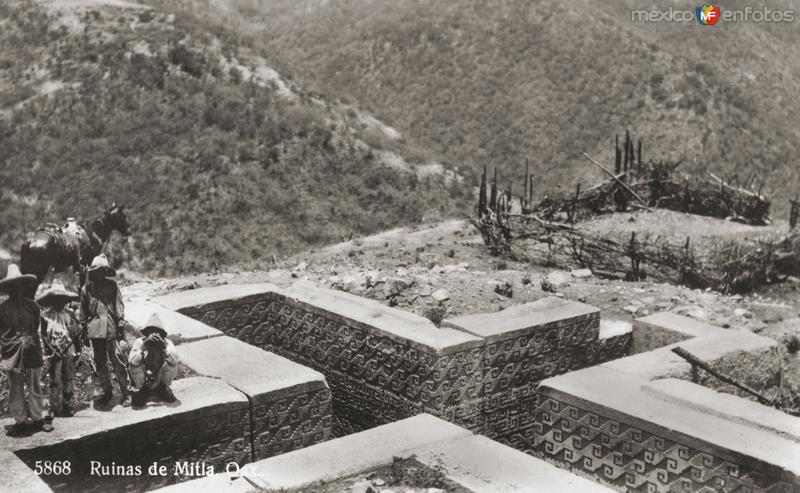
(65, 239)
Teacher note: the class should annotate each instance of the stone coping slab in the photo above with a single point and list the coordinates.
(475, 462)
(391, 321)
(529, 316)
(662, 362)
(193, 393)
(680, 323)
(726, 406)
(180, 328)
(664, 328)
(620, 396)
(213, 294)
(486, 466)
(18, 477)
(336, 458)
(248, 368)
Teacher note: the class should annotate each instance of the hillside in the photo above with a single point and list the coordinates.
(217, 157)
(498, 82)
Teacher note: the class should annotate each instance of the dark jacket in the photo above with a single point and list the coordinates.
(20, 322)
(101, 309)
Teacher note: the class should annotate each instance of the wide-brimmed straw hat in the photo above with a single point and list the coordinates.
(154, 324)
(100, 262)
(56, 292)
(14, 278)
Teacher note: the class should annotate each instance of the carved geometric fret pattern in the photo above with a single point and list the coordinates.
(376, 378)
(631, 459)
(291, 423)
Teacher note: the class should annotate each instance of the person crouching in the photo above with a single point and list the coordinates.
(153, 364)
(62, 338)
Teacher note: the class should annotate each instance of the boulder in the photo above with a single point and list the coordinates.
(441, 295)
(581, 273)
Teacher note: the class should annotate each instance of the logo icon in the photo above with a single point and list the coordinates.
(707, 15)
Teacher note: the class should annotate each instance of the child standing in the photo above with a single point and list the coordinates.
(62, 339)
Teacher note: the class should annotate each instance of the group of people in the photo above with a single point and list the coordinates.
(47, 331)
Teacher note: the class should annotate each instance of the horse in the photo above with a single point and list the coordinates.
(59, 249)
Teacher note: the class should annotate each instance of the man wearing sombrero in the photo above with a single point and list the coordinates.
(101, 312)
(62, 332)
(21, 351)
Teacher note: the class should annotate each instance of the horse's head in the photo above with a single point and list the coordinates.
(115, 218)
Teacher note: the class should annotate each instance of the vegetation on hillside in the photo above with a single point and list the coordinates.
(157, 112)
(498, 82)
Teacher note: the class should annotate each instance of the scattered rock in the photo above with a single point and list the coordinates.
(395, 285)
(632, 309)
(441, 295)
(743, 313)
(691, 311)
(559, 278)
(581, 273)
(771, 312)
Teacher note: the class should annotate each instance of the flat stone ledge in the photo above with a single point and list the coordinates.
(181, 300)
(620, 396)
(390, 321)
(180, 328)
(249, 369)
(18, 477)
(662, 362)
(483, 465)
(527, 317)
(725, 406)
(664, 328)
(193, 393)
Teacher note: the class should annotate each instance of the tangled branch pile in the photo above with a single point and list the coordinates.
(657, 184)
(727, 266)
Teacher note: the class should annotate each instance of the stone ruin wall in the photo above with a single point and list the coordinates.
(487, 386)
(492, 387)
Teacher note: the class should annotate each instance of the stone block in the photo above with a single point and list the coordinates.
(382, 319)
(574, 322)
(291, 404)
(722, 350)
(214, 296)
(664, 328)
(606, 424)
(481, 464)
(725, 406)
